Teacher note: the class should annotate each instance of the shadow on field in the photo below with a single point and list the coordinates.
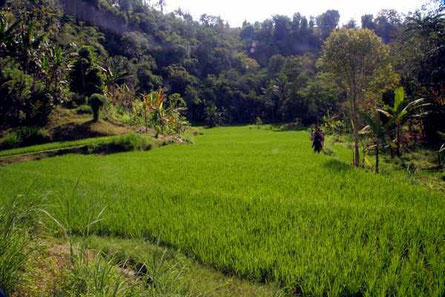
(281, 129)
(337, 165)
(295, 126)
(76, 131)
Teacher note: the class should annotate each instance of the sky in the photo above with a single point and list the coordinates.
(236, 11)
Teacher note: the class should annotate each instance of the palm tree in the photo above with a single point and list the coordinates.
(400, 112)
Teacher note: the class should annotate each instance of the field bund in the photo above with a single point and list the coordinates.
(259, 204)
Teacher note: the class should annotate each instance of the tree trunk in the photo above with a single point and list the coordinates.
(376, 157)
(353, 157)
(356, 147)
(355, 127)
(398, 140)
(83, 77)
(353, 95)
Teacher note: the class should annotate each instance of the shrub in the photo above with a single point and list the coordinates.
(10, 140)
(213, 117)
(24, 136)
(163, 114)
(97, 101)
(84, 109)
(132, 142)
(293, 126)
(129, 142)
(258, 122)
(24, 99)
(86, 79)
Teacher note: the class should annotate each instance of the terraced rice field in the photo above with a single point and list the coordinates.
(259, 204)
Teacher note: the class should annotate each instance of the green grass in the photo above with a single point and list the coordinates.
(259, 204)
(56, 146)
(173, 274)
(127, 142)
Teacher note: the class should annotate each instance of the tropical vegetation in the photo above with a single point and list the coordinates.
(91, 91)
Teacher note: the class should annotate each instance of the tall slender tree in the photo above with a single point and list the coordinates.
(361, 64)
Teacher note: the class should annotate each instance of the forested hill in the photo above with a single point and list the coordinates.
(265, 70)
(226, 70)
(222, 72)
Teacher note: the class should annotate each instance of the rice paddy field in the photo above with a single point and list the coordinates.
(258, 204)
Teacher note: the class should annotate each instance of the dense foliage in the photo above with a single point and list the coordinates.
(61, 52)
(361, 65)
(32, 67)
(249, 202)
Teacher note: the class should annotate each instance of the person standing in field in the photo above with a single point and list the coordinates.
(317, 140)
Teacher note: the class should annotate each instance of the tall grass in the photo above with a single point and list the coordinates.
(261, 205)
(89, 273)
(17, 219)
(156, 268)
(92, 275)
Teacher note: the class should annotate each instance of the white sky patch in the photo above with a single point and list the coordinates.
(236, 11)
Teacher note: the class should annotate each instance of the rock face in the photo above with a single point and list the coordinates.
(95, 16)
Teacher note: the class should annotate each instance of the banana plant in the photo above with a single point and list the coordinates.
(29, 44)
(155, 113)
(114, 73)
(377, 130)
(175, 110)
(54, 65)
(7, 36)
(400, 112)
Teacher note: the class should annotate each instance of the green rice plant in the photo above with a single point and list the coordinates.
(260, 205)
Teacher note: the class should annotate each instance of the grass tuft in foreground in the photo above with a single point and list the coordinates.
(17, 222)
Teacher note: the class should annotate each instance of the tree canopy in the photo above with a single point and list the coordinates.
(62, 52)
(361, 65)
